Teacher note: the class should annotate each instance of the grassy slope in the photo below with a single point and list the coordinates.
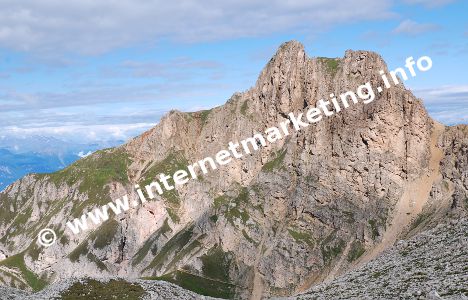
(17, 262)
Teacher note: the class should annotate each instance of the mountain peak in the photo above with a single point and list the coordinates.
(315, 203)
(290, 47)
(289, 52)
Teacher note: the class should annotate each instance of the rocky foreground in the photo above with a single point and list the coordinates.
(432, 265)
(72, 289)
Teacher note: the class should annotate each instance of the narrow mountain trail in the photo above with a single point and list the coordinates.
(411, 203)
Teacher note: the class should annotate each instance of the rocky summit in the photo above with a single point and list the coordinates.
(354, 206)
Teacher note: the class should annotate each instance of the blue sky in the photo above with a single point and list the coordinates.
(97, 70)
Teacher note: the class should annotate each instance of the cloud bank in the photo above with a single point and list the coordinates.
(94, 27)
(446, 104)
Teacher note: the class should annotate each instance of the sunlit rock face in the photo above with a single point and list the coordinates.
(309, 207)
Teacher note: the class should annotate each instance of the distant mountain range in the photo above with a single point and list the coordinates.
(40, 154)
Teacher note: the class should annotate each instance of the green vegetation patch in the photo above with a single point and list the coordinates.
(276, 163)
(93, 174)
(248, 238)
(18, 225)
(173, 214)
(33, 251)
(204, 115)
(5, 214)
(173, 162)
(216, 264)
(231, 207)
(192, 247)
(301, 236)
(331, 64)
(81, 249)
(419, 220)
(32, 230)
(174, 245)
(64, 240)
(23, 217)
(95, 171)
(104, 235)
(93, 258)
(374, 228)
(143, 251)
(357, 249)
(331, 247)
(16, 203)
(243, 196)
(221, 201)
(9, 278)
(244, 108)
(199, 285)
(93, 289)
(17, 262)
(235, 213)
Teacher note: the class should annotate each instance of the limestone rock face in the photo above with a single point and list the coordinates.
(307, 208)
(418, 268)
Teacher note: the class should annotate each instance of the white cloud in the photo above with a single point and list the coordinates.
(446, 104)
(413, 28)
(450, 116)
(81, 133)
(176, 69)
(91, 27)
(106, 94)
(6, 170)
(429, 3)
(445, 94)
(83, 155)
